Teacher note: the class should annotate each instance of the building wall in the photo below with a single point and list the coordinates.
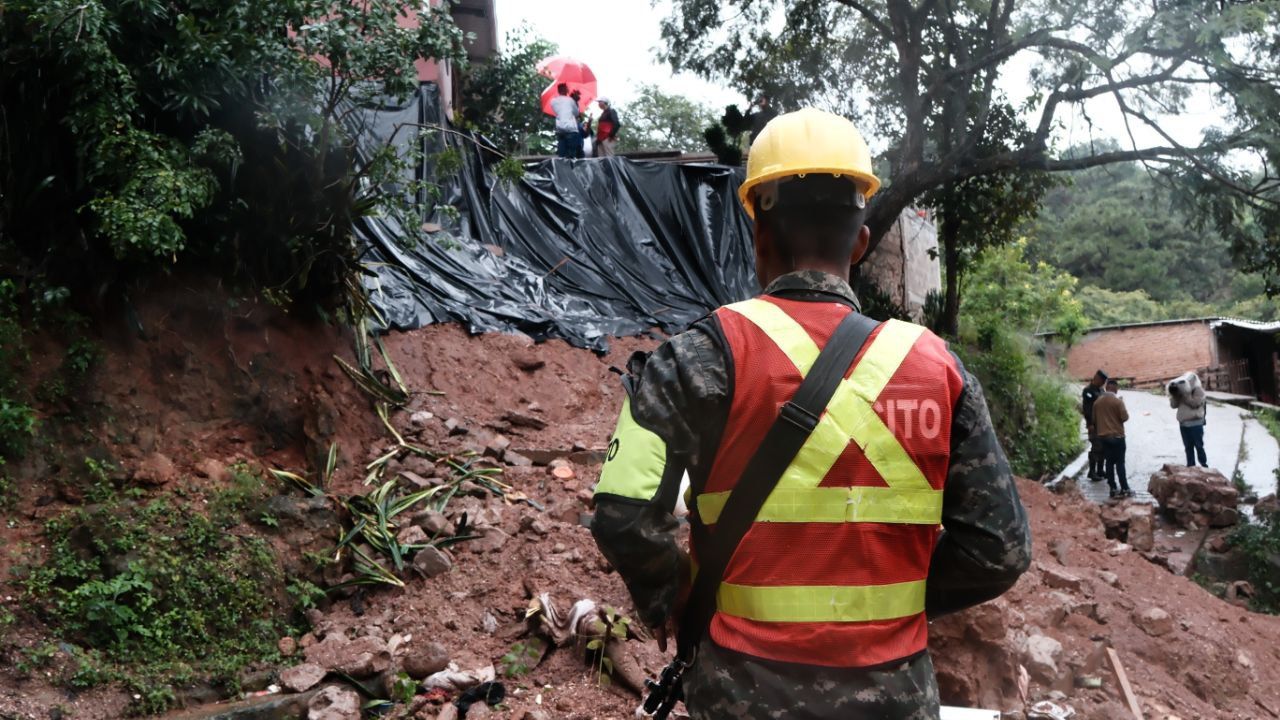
(902, 264)
(1146, 353)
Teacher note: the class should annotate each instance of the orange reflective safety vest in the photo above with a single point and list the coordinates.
(833, 570)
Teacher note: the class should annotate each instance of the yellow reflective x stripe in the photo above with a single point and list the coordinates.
(837, 505)
(782, 329)
(821, 603)
(849, 415)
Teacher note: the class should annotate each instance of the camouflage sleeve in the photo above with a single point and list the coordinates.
(986, 541)
(675, 396)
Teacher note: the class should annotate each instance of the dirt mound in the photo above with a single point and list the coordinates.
(1186, 652)
(263, 388)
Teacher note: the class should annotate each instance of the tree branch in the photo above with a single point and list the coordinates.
(880, 25)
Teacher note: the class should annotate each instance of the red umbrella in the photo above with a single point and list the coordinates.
(573, 73)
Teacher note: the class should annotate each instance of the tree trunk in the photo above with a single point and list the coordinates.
(950, 236)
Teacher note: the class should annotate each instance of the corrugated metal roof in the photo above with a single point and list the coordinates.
(1246, 324)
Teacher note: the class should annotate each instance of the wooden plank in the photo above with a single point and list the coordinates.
(1129, 697)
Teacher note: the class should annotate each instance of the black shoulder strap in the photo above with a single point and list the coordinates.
(786, 436)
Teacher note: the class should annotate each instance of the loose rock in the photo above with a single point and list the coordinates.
(412, 535)
(301, 678)
(287, 646)
(1154, 622)
(432, 561)
(420, 418)
(334, 702)
(1060, 579)
(1040, 656)
(425, 659)
(155, 469)
(1195, 496)
(359, 658)
(455, 427)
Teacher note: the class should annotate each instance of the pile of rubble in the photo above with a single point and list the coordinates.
(1195, 497)
(1185, 652)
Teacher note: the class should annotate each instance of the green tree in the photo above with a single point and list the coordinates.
(922, 75)
(658, 120)
(1006, 299)
(1006, 291)
(142, 133)
(983, 212)
(502, 95)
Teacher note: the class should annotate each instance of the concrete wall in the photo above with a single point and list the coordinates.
(901, 264)
(1146, 353)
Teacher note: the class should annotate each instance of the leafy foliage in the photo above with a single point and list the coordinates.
(1007, 298)
(503, 95)
(202, 131)
(984, 211)
(923, 76)
(162, 593)
(658, 120)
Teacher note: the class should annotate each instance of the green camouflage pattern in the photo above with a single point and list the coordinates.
(681, 392)
(723, 685)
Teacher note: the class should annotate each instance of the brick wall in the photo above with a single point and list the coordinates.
(1147, 353)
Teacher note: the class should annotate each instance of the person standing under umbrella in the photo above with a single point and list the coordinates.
(606, 129)
(568, 136)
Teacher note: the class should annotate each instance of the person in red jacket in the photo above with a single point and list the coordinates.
(606, 129)
(900, 506)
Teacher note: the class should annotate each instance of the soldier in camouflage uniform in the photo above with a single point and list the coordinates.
(682, 393)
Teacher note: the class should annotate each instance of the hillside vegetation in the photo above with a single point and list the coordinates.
(1138, 252)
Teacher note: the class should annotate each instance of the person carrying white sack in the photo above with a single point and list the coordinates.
(1187, 396)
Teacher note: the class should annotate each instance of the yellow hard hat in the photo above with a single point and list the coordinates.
(803, 142)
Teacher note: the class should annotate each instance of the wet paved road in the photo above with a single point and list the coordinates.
(1233, 439)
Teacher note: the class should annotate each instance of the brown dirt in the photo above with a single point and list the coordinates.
(265, 389)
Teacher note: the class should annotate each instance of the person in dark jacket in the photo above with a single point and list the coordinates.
(606, 129)
(1087, 398)
(1110, 415)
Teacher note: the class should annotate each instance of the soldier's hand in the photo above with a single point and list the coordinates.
(668, 629)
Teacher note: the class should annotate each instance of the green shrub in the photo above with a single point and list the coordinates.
(1260, 543)
(1034, 416)
(163, 594)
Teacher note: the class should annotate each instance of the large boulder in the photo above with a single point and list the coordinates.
(1130, 522)
(1195, 497)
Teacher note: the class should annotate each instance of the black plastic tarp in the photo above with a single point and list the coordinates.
(577, 249)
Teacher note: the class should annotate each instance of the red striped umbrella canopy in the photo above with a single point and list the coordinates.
(574, 73)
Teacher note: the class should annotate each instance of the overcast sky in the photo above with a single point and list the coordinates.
(616, 38)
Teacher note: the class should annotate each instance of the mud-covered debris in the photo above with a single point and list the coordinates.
(527, 360)
(335, 702)
(412, 535)
(155, 469)
(517, 419)
(431, 561)
(434, 522)
(491, 539)
(515, 459)
(301, 678)
(497, 446)
(1040, 655)
(211, 469)
(1193, 496)
(453, 680)
(1154, 621)
(424, 659)
(363, 657)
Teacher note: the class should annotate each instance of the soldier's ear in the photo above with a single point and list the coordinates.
(860, 246)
